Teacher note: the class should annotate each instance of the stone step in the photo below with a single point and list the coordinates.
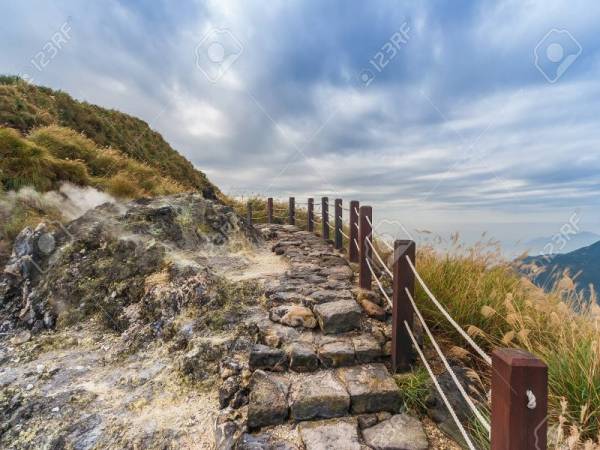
(309, 351)
(275, 398)
(338, 316)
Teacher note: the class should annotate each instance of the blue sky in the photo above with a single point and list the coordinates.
(458, 128)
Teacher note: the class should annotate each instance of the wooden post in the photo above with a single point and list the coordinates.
(352, 250)
(292, 211)
(364, 232)
(270, 210)
(310, 215)
(339, 243)
(249, 212)
(325, 217)
(402, 310)
(519, 418)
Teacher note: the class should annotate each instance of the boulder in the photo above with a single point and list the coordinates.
(339, 316)
(303, 357)
(372, 309)
(293, 316)
(371, 388)
(400, 432)
(265, 357)
(318, 396)
(330, 434)
(267, 403)
(337, 353)
(366, 348)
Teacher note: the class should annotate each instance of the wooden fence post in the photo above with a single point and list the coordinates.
(270, 210)
(519, 401)
(339, 243)
(352, 250)
(310, 215)
(402, 310)
(249, 212)
(292, 211)
(365, 232)
(325, 217)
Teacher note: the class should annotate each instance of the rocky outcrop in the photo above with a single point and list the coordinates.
(60, 274)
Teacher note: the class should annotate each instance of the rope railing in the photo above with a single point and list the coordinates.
(439, 389)
(383, 265)
(379, 284)
(448, 317)
(482, 420)
(519, 381)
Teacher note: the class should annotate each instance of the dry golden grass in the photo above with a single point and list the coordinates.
(498, 307)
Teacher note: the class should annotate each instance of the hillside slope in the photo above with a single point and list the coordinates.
(25, 107)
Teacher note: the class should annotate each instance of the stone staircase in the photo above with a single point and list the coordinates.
(318, 379)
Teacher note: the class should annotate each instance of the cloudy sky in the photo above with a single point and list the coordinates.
(444, 115)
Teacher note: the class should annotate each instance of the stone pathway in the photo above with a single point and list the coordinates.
(317, 379)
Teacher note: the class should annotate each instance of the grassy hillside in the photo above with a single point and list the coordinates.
(25, 107)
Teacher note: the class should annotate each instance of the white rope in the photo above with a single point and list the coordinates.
(458, 328)
(386, 244)
(479, 416)
(369, 220)
(357, 246)
(439, 389)
(356, 211)
(345, 235)
(330, 226)
(356, 225)
(385, 267)
(379, 283)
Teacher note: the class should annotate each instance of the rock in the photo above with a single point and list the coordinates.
(21, 337)
(229, 425)
(343, 273)
(387, 348)
(436, 408)
(303, 357)
(262, 442)
(400, 432)
(267, 403)
(293, 316)
(363, 294)
(367, 421)
(372, 309)
(229, 367)
(337, 353)
(366, 348)
(330, 435)
(329, 295)
(371, 388)
(274, 334)
(239, 399)
(318, 396)
(338, 317)
(264, 357)
(227, 390)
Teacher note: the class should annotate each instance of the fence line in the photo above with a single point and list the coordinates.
(519, 380)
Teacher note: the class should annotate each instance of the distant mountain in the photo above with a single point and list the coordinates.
(582, 265)
(547, 245)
